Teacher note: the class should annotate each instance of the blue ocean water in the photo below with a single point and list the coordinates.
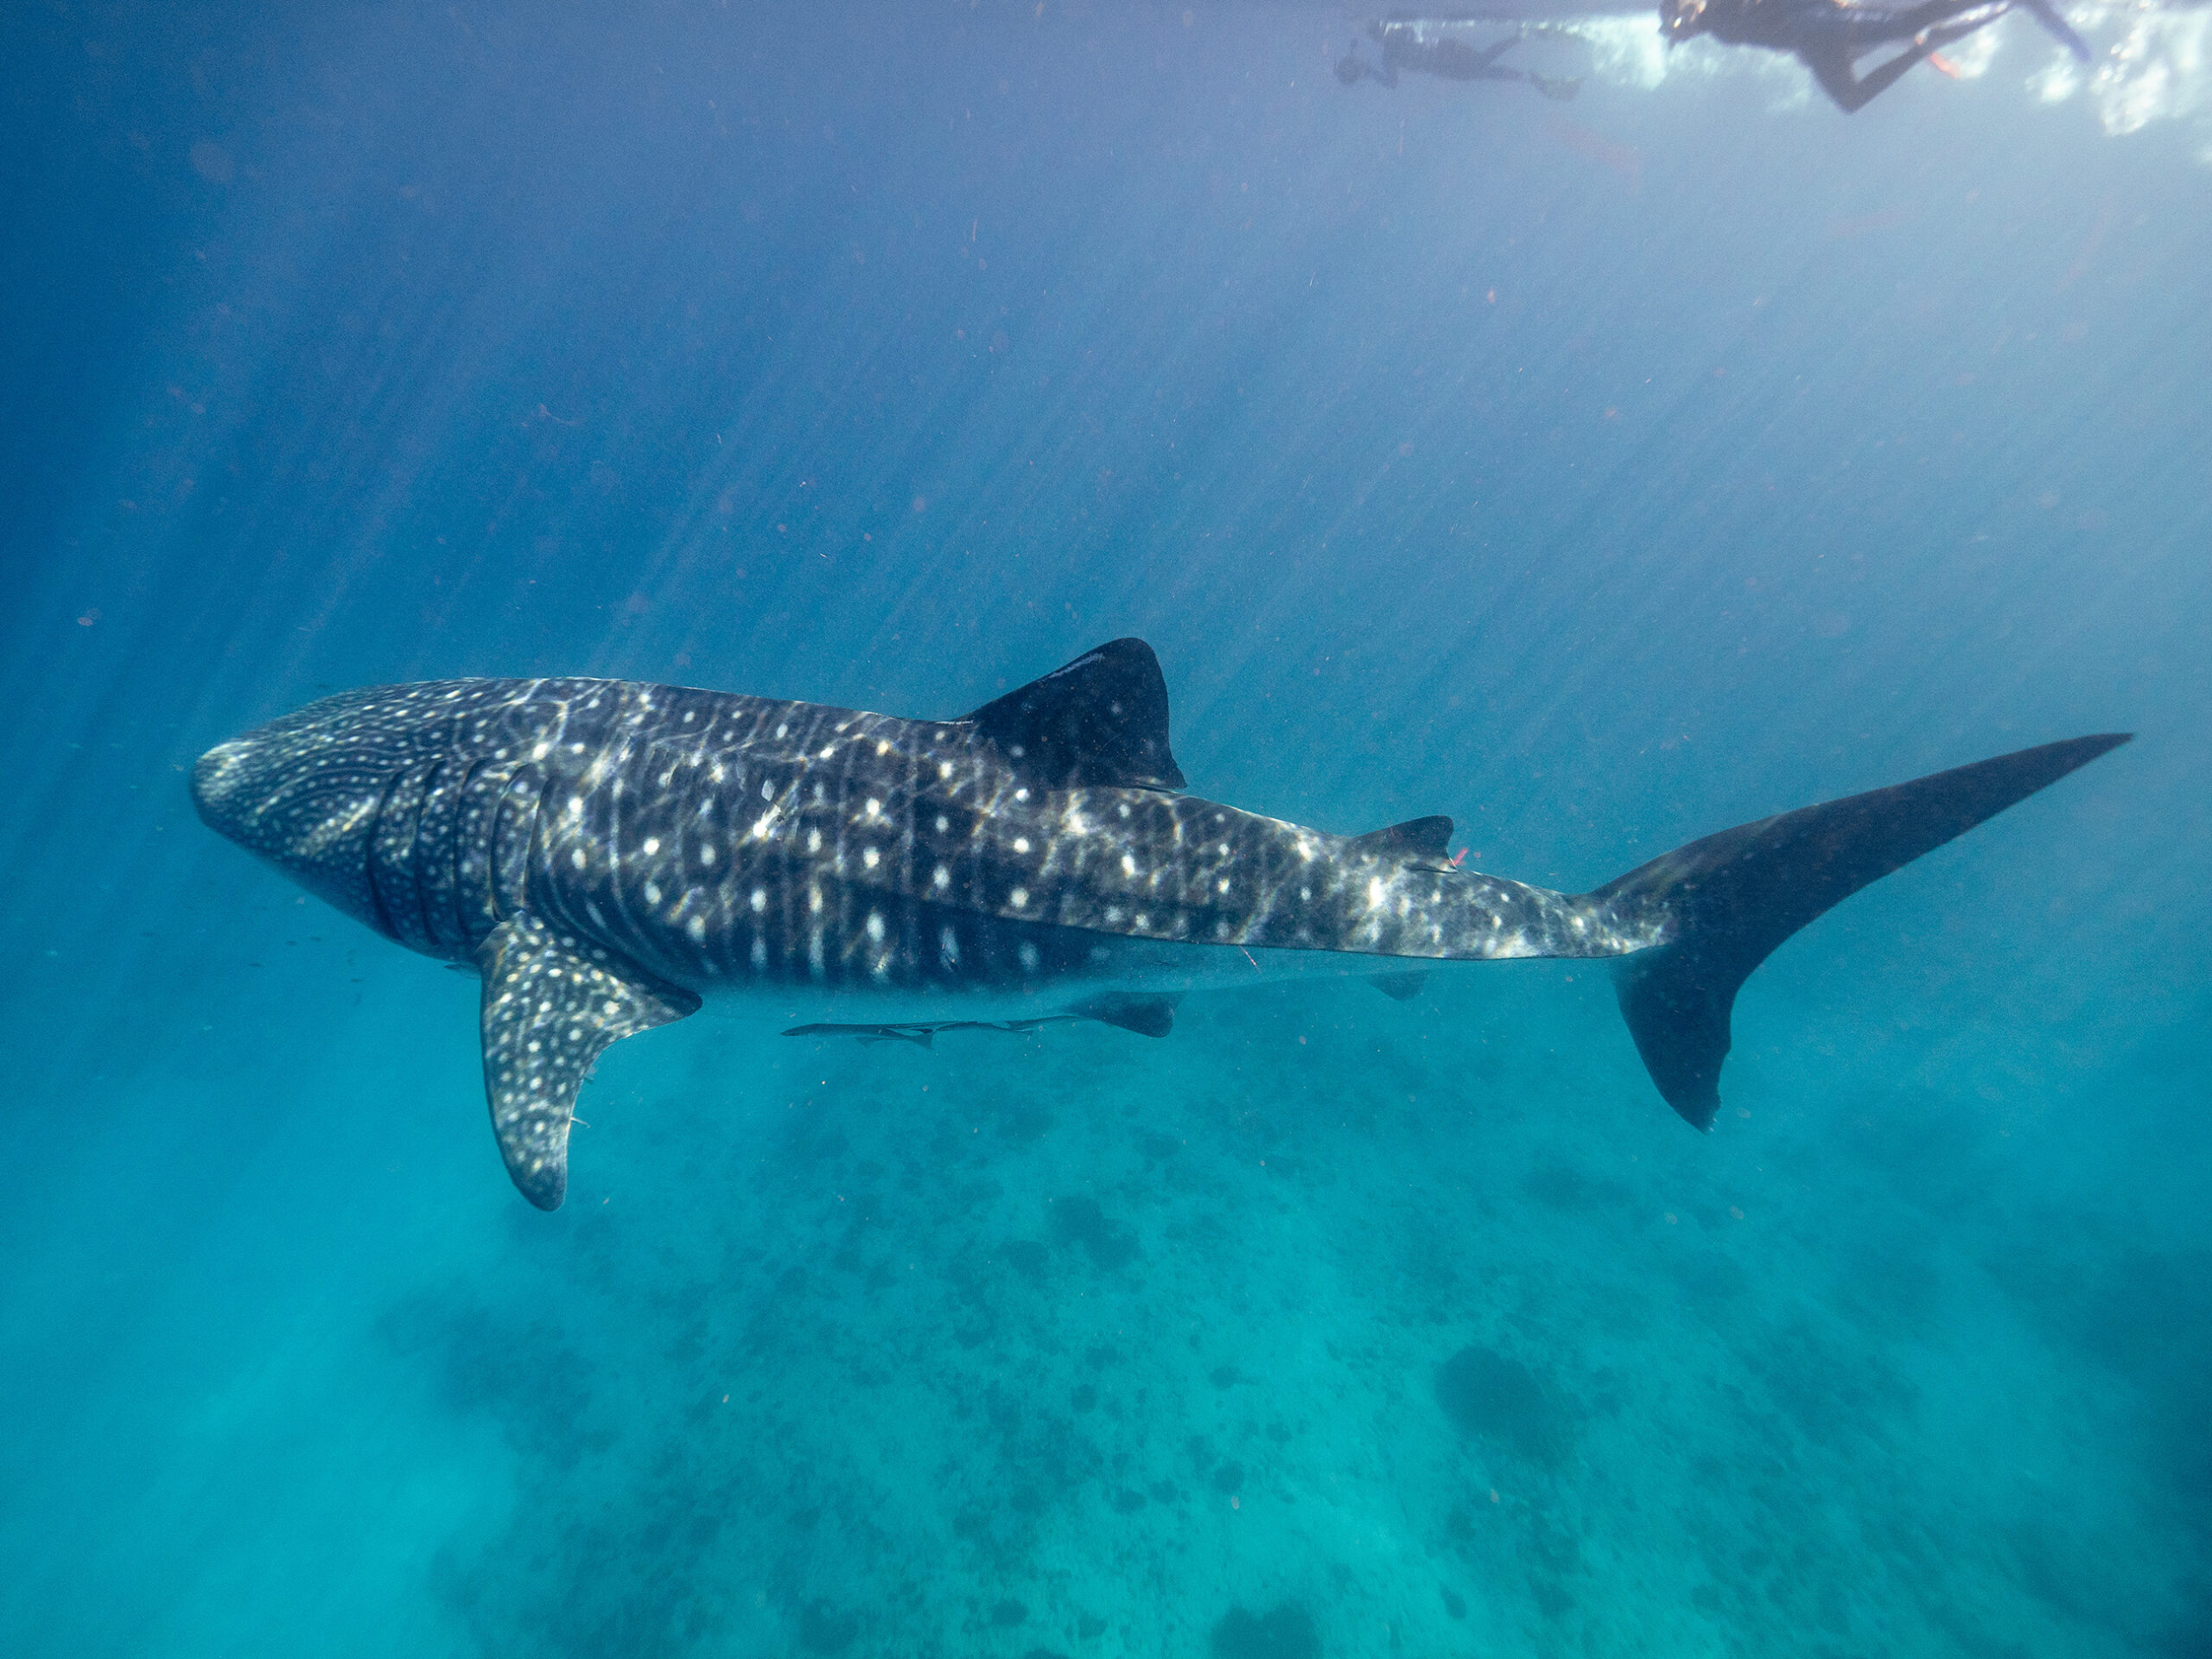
(1601, 474)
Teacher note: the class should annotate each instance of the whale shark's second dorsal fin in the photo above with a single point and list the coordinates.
(548, 1011)
(1100, 722)
(1428, 837)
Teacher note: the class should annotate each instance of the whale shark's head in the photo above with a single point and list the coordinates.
(303, 792)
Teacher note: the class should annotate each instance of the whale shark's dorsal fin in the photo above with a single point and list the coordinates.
(1100, 722)
(550, 1010)
(1419, 837)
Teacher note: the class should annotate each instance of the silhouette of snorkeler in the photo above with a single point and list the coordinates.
(1829, 36)
(1414, 44)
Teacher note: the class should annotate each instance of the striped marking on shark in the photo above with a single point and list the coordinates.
(608, 855)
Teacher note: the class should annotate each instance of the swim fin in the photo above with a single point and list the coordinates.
(2059, 29)
(1726, 901)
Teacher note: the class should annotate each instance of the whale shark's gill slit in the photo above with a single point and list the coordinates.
(439, 851)
(380, 911)
(513, 834)
(391, 857)
(476, 851)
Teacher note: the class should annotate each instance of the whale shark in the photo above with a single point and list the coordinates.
(607, 856)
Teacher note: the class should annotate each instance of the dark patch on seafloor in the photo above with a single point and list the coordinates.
(1080, 1221)
(1285, 1632)
(825, 1630)
(1560, 1186)
(485, 1365)
(1499, 1401)
(2141, 1313)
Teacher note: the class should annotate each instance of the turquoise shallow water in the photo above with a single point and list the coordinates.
(1601, 474)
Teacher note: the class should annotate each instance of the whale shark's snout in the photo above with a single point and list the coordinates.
(302, 792)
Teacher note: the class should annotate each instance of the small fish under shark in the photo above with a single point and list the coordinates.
(605, 855)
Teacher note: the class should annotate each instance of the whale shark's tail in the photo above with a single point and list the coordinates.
(1726, 901)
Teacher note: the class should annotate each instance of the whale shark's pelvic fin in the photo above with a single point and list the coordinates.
(550, 1010)
(1099, 722)
(1399, 987)
(1149, 1013)
(1730, 899)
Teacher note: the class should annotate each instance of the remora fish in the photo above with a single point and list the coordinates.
(605, 853)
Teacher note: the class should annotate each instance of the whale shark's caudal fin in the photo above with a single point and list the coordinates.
(1728, 900)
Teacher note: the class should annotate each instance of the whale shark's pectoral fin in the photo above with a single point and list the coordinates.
(550, 1010)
